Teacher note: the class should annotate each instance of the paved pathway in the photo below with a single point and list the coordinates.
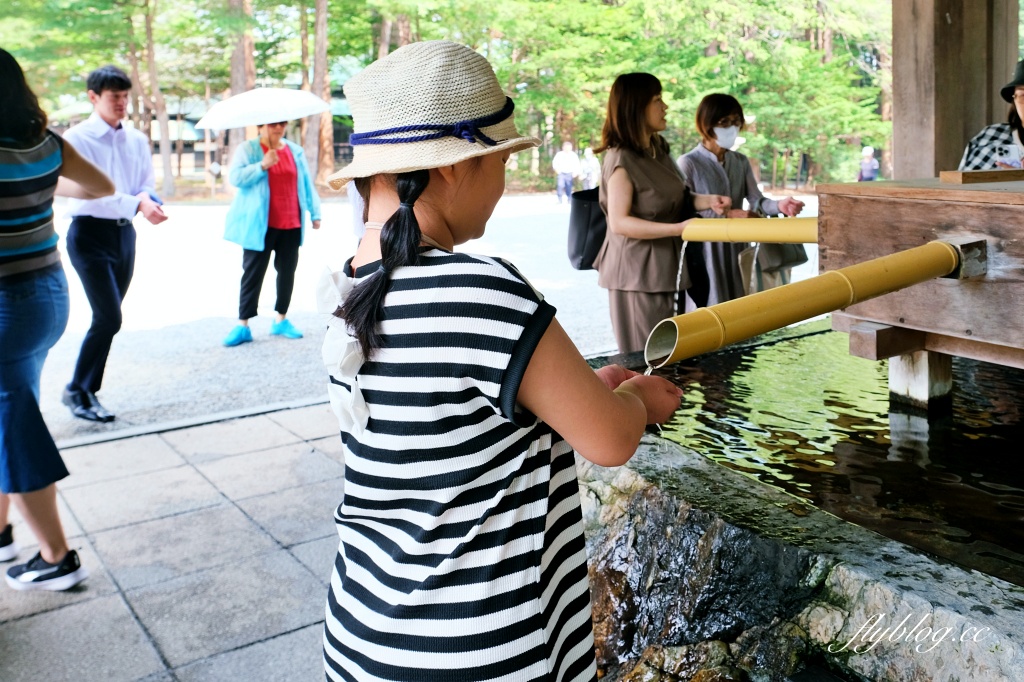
(210, 550)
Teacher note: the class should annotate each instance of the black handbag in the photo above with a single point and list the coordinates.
(773, 257)
(587, 227)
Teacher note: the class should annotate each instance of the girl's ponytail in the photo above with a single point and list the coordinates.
(399, 245)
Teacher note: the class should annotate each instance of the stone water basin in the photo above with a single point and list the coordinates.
(720, 551)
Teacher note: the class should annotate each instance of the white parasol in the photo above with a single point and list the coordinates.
(261, 106)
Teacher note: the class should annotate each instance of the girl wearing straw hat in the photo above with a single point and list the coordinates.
(460, 400)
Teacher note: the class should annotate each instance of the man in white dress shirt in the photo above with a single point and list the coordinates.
(101, 239)
(567, 166)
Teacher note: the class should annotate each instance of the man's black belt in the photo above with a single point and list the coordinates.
(120, 222)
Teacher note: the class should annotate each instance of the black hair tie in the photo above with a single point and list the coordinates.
(405, 204)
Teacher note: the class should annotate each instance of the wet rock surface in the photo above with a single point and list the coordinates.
(700, 574)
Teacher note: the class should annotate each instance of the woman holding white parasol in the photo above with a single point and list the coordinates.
(275, 194)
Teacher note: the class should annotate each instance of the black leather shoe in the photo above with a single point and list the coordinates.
(103, 413)
(84, 405)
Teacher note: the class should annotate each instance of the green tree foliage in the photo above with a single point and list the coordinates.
(813, 74)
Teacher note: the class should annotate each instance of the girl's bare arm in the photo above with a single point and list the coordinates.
(601, 424)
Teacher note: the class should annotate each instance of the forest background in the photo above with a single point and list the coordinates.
(814, 76)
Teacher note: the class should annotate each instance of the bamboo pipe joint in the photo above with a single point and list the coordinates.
(708, 329)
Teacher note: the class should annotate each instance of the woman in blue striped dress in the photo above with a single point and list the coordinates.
(34, 163)
(460, 401)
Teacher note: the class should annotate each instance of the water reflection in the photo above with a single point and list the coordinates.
(805, 416)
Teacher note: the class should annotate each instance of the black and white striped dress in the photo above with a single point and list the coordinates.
(462, 554)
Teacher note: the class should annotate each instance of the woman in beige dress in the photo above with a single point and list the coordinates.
(647, 205)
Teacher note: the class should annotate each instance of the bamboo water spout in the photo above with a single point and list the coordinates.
(782, 231)
(708, 329)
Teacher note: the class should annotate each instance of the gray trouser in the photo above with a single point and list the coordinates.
(635, 313)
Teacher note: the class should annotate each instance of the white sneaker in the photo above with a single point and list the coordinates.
(8, 547)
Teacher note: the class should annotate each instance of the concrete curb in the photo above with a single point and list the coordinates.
(177, 425)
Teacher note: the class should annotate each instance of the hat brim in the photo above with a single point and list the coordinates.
(409, 156)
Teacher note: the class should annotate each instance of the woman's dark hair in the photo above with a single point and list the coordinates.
(108, 77)
(1014, 120)
(713, 109)
(23, 120)
(624, 124)
(399, 245)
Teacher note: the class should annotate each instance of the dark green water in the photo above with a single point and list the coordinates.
(805, 416)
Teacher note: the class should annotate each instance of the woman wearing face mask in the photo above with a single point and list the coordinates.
(712, 168)
(647, 205)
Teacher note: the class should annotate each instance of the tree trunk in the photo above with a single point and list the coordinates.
(785, 168)
(885, 78)
(324, 163)
(385, 38)
(775, 167)
(404, 29)
(243, 67)
(161, 105)
(137, 92)
(180, 141)
(206, 148)
(304, 43)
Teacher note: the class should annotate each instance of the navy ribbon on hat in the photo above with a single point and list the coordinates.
(468, 130)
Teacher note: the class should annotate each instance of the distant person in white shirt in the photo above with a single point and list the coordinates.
(567, 165)
(101, 239)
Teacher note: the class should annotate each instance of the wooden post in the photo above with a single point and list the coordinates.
(936, 107)
(923, 379)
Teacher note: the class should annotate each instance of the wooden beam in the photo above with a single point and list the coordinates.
(972, 177)
(874, 341)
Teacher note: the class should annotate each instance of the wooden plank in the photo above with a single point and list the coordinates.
(976, 350)
(1011, 193)
(978, 176)
(961, 348)
(957, 347)
(986, 308)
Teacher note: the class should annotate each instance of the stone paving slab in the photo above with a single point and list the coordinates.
(290, 657)
(223, 608)
(298, 514)
(155, 551)
(308, 423)
(210, 441)
(318, 556)
(97, 640)
(118, 459)
(144, 497)
(204, 564)
(330, 446)
(268, 471)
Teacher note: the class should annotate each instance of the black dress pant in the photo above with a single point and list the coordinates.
(285, 245)
(102, 251)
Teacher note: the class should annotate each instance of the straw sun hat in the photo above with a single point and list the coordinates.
(427, 105)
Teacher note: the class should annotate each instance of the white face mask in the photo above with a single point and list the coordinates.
(726, 137)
